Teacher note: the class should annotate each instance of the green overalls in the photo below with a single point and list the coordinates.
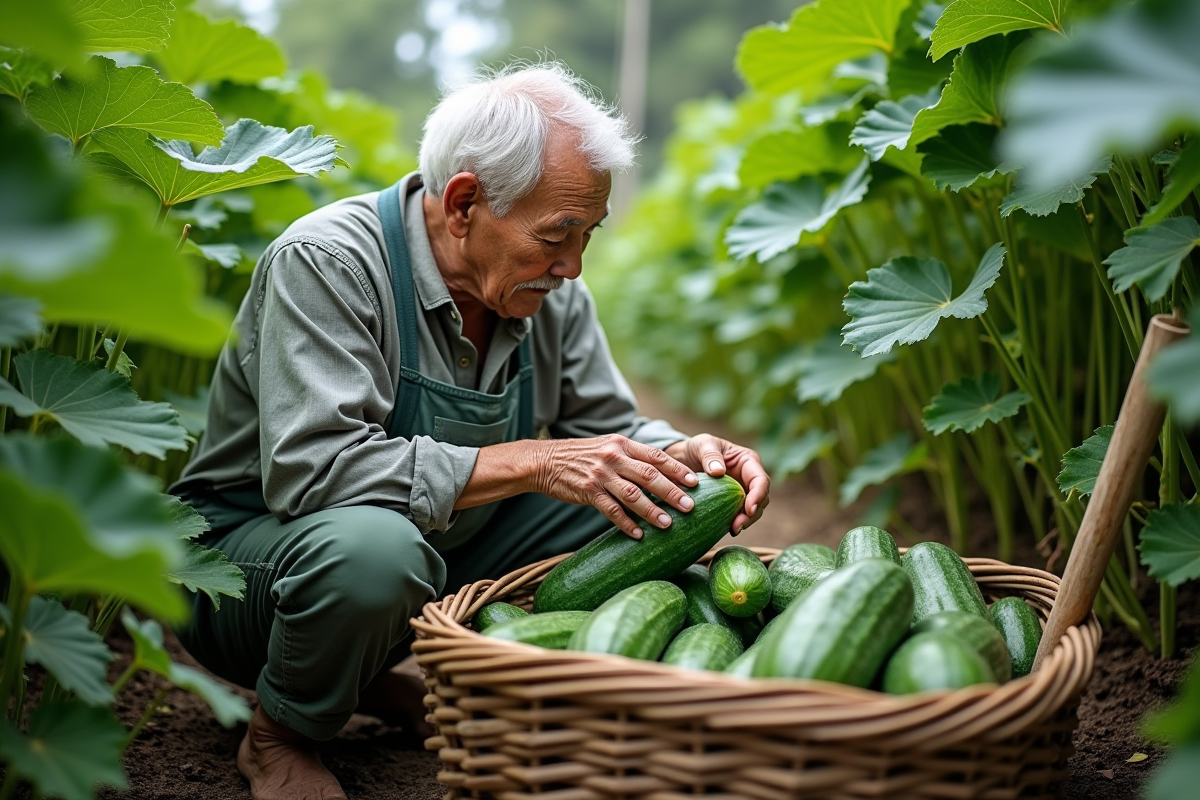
(329, 595)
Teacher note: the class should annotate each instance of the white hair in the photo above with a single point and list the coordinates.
(497, 124)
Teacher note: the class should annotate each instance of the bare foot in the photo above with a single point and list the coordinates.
(283, 764)
(396, 696)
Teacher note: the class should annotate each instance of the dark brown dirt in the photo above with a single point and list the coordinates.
(183, 753)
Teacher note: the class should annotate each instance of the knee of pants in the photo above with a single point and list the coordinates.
(376, 561)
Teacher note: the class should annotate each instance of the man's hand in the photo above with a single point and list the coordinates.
(718, 457)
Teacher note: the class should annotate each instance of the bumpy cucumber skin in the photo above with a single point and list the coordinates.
(866, 541)
(703, 646)
(977, 633)
(1022, 632)
(934, 660)
(797, 569)
(941, 582)
(843, 628)
(736, 572)
(637, 622)
(743, 665)
(703, 609)
(612, 561)
(552, 630)
(494, 613)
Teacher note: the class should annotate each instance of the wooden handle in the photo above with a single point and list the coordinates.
(1136, 432)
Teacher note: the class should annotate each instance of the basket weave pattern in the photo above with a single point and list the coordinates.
(518, 722)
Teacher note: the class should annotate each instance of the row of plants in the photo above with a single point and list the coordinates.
(137, 189)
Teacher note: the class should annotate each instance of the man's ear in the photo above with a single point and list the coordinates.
(462, 194)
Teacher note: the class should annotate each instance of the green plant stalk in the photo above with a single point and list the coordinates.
(106, 614)
(100, 342)
(148, 714)
(1132, 340)
(114, 357)
(126, 676)
(1028, 500)
(1125, 604)
(1168, 493)
(5, 363)
(14, 645)
(856, 244)
(1130, 550)
(953, 204)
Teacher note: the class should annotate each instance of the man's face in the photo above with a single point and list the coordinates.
(524, 255)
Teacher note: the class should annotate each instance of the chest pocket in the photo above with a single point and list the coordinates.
(469, 434)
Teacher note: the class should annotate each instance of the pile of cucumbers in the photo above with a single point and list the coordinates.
(860, 615)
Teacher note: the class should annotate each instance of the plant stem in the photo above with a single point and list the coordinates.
(14, 644)
(5, 361)
(157, 700)
(1168, 494)
(114, 357)
(125, 677)
(1132, 340)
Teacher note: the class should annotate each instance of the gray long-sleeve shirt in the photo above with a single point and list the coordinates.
(304, 387)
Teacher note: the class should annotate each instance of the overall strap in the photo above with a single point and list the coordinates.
(525, 407)
(406, 303)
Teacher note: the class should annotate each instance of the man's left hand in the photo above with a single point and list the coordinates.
(718, 457)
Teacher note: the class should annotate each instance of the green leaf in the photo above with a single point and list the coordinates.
(903, 301)
(976, 86)
(20, 70)
(1040, 200)
(828, 368)
(209, 571)
(967, 21)
(911, 72)
(206, 51)
(787, 210)
(125, 365)
(1170, 546)
(45, 26)
(135, 26)
(1173, 374)
(787, 154)
(1081, 465)
(19, 320)
(1178, 775)
(1152, 256)
(889, 123)
(799, 453)
(228, 708)
(94, 405)
(831, 106)
(70, 749)
(226, 254)
(76, 521)
(63, 643)
(897, 456)
(193, 411)
(251, 154)
(1184, 177)
(820, 36)
(186, 521)
(1119, 85)
(112, 98)
(960, 156)
(971, 403)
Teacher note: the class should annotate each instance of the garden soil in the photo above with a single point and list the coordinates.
(183, 753)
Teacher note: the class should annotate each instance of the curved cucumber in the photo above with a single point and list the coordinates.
(1022, 632)
(796, 569)
(941, 582)
(612, 561)
(703, 646)
(977, 633)
(934, 660)
(743, 665)
(843, 628)
(703, 609)
(739, 581)
(637, 622)
(552, 630)
(493, 613)
(866, 541)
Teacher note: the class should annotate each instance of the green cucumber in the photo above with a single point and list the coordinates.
(743, 665)
(1022, 632)
(637, 622)
(941, 582)
(703, 646)
(843, 628)
(493, 613)
(552, 630)
(796, 569)
(934, 660)
(866, 541)
(977, 632)
(703, 609)
(739, 581)
(613, 561)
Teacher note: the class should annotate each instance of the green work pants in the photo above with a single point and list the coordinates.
(329, 596)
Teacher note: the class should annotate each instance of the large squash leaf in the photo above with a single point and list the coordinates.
(1081, 465)
(968, 404)
(70, 748)
(19, 319)
(786, 154)
(21, 70)
(961, 156)
(828, 368)
(1043, 200)
(967, 21)
(903, 301)
(207, 51)
(94, 405)
(1184, 177)
(63, 642)
(1152, 256)
(209, 571)
(134, 26)
(1170, 546)
(109, 97)
(890, 123)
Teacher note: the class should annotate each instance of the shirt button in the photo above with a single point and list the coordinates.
(454, 315)
(464, 362)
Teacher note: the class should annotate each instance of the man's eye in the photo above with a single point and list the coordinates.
(552, 242)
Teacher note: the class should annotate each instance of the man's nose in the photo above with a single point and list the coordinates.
(568, 265)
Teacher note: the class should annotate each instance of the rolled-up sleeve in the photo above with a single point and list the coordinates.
(324, 396)
(596, 398)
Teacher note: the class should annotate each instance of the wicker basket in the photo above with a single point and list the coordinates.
(521, 722)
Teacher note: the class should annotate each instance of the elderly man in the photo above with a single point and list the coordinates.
(373, 429)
